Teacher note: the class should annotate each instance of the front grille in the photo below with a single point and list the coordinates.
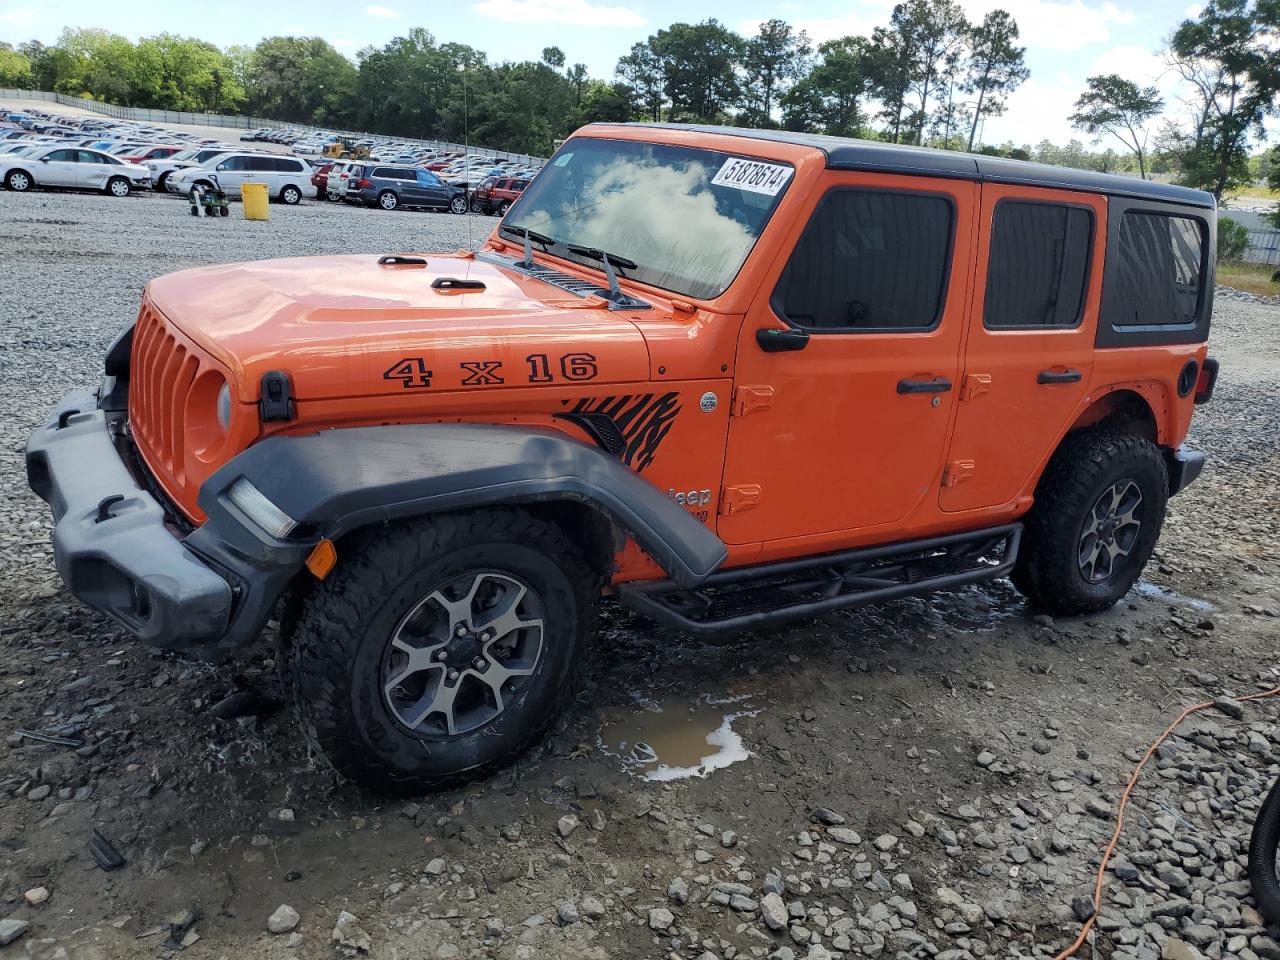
(160, 376)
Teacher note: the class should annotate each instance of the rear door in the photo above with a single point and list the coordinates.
(1031, 339)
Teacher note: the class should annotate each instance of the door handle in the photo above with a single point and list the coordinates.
(936, 385)
(773, 340)
(1059, 376)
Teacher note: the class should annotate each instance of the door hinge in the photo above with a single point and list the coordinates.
(742, 497)
(956, 472)
(975, 385)
(750, 399)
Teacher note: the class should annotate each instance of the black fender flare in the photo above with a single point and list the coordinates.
(335, 481)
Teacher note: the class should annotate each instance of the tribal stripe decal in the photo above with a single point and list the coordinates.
(643, 422)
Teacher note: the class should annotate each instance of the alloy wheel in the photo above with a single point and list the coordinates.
(1110, 530)
(463, 653)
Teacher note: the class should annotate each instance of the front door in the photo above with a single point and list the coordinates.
(1030, 347)
(848, 361)
(60, 169)
(93, 170)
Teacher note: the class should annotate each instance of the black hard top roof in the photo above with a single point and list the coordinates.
(845, 153)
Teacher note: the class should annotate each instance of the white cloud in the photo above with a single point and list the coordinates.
(385, 12)
(1052, 25)
(19, 15)
(1036, 111)
(579, 13)
(1139, 64)
(858, 23)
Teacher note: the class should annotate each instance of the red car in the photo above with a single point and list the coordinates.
(152, 153)
(321, 179)
(496, 194)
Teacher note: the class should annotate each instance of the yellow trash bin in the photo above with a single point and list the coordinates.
(254, 196)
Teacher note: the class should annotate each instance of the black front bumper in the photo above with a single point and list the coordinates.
(118, 550)
(111, 541)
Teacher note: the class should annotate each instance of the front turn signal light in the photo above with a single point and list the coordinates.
(322, 559)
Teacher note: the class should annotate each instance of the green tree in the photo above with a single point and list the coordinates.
(553, 57)
(98, 63)
(833, 97)
(303, 79)
(932, 35)
(1233, 240)
(1118, 107)
(15, 68)
(641, 70)
(182, 73)
(1231, 55)
(995, 66)
(578, 76)
(774, 59)
(606, 102)
(699, 69)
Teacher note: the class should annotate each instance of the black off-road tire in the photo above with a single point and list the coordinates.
(336, 652)
(1088, 463)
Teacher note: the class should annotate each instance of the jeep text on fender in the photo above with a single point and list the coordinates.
(726, 377)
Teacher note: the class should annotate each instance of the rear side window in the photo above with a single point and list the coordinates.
(869, 260)
(1157, 271)
(287, 165)
(1038, 265)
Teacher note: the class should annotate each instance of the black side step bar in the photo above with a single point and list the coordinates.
(745, 598)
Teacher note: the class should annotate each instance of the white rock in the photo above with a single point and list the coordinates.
(284, 920)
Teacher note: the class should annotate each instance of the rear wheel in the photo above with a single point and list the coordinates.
(290, 195)
(1098, 512)
(502, 210)
(118, 187)
(458, 204)
(388, 200)
(160, 182)
(18, 181)
(476, 206)
(439, 650)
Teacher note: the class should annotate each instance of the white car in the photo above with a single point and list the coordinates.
(336, 184)
(288, 179)
(161, 170)
(73, 168)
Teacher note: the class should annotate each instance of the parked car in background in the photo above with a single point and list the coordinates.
(161, 170)
(288, 179)
(496, 194)
(336, 185)
(320, 177)
(143, 154)
(391, 187)
(73, 168)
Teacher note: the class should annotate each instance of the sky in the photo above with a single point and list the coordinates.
(1066, 40)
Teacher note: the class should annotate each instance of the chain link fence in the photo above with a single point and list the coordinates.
(146, 115)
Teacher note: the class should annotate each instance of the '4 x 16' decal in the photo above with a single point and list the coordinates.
(413, 373)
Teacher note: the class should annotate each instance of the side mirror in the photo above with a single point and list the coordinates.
(44, 159)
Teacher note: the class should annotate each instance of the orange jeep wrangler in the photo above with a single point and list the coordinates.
(726, 377)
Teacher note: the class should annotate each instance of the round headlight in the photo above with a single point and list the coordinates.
(224, 407)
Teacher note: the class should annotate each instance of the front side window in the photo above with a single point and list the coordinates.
(678, 218)
(64, 156)
(234, 163)
(1038, 265)
(1156, 273)
(869, 260)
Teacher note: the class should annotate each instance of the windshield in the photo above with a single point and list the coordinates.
(686, 218)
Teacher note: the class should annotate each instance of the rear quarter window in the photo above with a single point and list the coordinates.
(1157, 270)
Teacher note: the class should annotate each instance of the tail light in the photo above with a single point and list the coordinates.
(1205, 382)
(362, 183)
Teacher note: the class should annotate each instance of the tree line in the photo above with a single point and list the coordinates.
(928, 76)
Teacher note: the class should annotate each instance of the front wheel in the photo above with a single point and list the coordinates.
(118, 187)
(504, 207)
(18, 181)
(476, 207)
(441, 649)
(1098, 511)
(291, 195)
(458, 204)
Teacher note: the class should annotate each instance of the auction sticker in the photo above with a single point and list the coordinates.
(753, 175)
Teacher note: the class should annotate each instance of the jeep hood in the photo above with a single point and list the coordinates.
(346, 326)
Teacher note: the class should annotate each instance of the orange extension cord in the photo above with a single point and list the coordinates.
(1124, 800)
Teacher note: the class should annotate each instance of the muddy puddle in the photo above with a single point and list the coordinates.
(674, 738)
(1154, 591)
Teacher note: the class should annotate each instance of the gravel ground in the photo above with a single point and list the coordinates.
(934, 777)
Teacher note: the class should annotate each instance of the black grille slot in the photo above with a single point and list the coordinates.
(566, 281)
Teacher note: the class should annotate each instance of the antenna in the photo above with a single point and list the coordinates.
(466, 149)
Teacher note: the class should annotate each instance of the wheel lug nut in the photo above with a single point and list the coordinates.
(478, 663)
(461, 631)
(441, 654)
(487, 636)
(453, 674)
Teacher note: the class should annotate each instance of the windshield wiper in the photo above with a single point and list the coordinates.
(608, 259)
(528, 235)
